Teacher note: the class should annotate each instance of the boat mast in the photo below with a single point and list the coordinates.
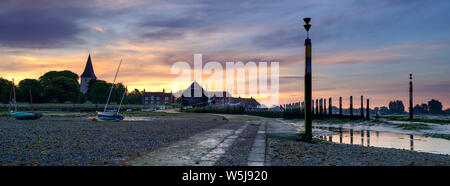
(124, 92)
(112, 86)
(10, 97)
(14, 91)
(31, 101)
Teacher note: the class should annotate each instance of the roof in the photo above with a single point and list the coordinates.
(88, 69)
(190, 91)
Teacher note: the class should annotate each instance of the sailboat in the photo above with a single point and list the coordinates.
(108, 115)
(22, 115)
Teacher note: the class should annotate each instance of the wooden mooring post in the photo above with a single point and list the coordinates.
(351, 105)
(367, 110)
(411, 109)
(362, 106)
(340, 106)
(330, 108)
(321, 106)
(317, 106)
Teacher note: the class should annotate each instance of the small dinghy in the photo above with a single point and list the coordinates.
(111, 116)
(22, 115)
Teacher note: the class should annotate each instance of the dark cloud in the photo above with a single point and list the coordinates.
(163, 27)
(39, 25)
(48, 23)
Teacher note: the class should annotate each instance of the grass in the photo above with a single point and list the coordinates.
(415, 126)
(403, 118)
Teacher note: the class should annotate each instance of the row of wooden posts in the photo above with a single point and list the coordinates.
(320, 110)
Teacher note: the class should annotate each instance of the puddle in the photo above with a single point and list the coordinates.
(385, 139)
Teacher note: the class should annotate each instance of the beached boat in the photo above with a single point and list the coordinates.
(108, 115)
(26, 115)
(22, 115)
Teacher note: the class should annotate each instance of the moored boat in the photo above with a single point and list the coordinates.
(26, 115)
(107, 115)
(22, 115)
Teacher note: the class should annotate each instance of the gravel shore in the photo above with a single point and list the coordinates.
(79, 141)
(291, 152)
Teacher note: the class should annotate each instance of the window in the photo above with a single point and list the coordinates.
(157, 98)
(152, 98)
(146, 98)
(166, 98)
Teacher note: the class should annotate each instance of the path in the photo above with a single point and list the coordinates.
(236, 143)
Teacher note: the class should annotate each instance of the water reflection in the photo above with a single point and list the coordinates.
(351, 136)
(386, 139)
(362, 137)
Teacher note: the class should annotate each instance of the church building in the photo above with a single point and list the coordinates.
(87, 76)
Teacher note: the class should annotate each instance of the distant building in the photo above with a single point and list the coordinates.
(222, 97)
(157, 98)
(188, 97)
(87, 76)
(214, 98)
(246, 102)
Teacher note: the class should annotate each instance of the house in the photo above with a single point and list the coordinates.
(157, 98)
(213, 97)
(246, 102)
(194, 95)
(219, 97)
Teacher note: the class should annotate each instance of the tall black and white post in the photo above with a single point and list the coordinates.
(308, 82)
(411, 109)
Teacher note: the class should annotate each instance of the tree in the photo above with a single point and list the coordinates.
(435, 107)
(53, 74)
(134, 97)
(81, 98)
(61, 89)
(117, 93)
(396, 107)
(99, 91)
(52, 90)
(421, 109)
(36, 90)
(5, 90)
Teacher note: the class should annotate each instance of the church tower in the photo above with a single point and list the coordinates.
(87, 76)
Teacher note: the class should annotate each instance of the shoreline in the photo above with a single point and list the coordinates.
(292, 152)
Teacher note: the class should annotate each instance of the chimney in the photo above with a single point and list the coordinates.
(164, 90)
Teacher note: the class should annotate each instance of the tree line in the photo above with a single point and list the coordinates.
(63, 87)
(396, 107)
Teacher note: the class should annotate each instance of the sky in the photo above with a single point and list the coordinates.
(360, 47)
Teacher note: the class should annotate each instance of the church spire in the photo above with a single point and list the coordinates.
(88, 69)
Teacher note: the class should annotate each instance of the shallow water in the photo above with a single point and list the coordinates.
(386, 139)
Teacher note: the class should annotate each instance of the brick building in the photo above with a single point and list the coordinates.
(157, 98)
